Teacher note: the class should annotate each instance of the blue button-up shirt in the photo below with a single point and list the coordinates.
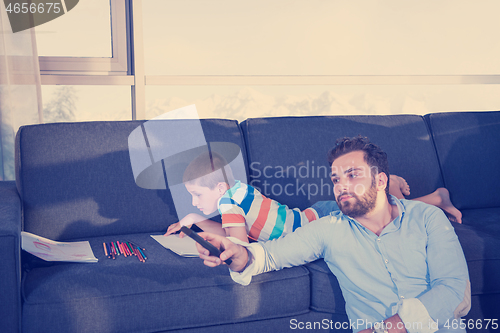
(415, 267)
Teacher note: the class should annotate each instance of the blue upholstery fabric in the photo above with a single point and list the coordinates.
(326, 296)
(309, 322)
(482, 252)
(289, 153)
(483, 219)
(468, 145)
(166, 292)
(10, 269)
(76, 180)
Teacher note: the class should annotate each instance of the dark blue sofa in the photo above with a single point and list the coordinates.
(75, 182)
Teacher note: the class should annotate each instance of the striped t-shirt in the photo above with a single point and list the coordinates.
(263, 218)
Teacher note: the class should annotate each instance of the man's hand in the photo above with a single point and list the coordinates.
(394, 324)
(237, 253)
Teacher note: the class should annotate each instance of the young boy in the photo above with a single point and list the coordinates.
(246, 213)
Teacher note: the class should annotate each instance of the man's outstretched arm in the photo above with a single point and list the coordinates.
(304, 245)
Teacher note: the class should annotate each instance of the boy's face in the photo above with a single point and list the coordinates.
(204, 198)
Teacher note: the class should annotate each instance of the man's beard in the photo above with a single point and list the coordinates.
(362, 205)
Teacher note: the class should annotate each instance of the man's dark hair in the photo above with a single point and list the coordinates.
(375, 157)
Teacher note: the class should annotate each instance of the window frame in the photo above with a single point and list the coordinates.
(117, 64)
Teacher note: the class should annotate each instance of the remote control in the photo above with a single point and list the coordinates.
(197, 238)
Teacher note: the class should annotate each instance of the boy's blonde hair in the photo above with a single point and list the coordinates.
(208, 170)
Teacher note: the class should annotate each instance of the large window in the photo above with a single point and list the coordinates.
(238, 59)
(317, 37)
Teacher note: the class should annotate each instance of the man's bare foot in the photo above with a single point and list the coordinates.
(445, 204)
(398, 187)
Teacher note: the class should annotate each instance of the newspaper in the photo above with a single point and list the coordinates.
(50, 250)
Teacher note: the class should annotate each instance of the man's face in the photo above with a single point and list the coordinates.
(353, 185)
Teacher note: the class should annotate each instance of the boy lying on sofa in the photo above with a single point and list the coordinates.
(246, 213)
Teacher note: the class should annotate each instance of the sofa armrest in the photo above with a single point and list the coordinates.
(10, 248)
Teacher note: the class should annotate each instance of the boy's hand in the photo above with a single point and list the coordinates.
(173, 228)
(187, 221)
(237, 253)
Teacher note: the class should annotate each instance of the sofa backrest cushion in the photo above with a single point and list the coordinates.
(468, 146)
(287, 155)
(76, 180)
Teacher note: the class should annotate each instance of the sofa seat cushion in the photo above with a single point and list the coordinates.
(309, 322)
(166, 292)
(484, 219)
(482, 252)
(326, 295)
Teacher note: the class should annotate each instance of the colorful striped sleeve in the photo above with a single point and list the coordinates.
(233, 220)
(311, 214)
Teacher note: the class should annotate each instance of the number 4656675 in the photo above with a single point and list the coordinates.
(472, 324)
(33, 8)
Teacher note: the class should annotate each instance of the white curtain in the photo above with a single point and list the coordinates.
(20, 91)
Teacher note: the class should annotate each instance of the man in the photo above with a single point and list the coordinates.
(398, 262)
